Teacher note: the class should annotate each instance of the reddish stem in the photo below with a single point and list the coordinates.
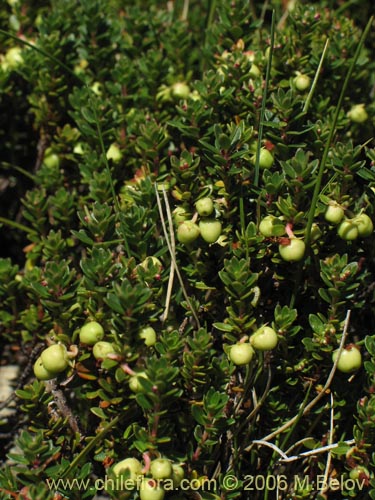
(126, 368)
(147, 461)
(289, 230)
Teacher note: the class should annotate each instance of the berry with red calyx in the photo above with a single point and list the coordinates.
(292, 250)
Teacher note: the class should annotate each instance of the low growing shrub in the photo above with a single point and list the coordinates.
(186, 283)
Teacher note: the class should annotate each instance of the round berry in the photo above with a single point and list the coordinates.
(271, 226)
(265, 158)
(350, 359)
(364, 225)
(293, 251)
(180, 215)
(151, 490)
(130, 464)
(101, 349)
(178, 475)
(241, 353)
(91, 333)
(134, 384)
(264, 339)
(334, 213)
(358, 113)
(204, 206)
(359, 472)
(55, 358)
(161, 468)
(210, 229)
(40, 371)
(348, 230)
(180, 90)
(148, 335)
(51, 159)
(302, 82)
(187, 232)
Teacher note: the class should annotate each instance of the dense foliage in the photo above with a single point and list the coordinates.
(234, 336)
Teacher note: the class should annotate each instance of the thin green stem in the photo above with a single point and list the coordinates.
(264, 100)
(209, 21)
(17, 225)
(90, 446)
(316, 78)
(319, 179)
(44, 53)
(330, 136)
(21, 170)
(94, 109)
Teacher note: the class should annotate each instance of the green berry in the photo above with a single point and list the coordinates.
(148, 334)
(204, 207)
(178, 475)
(151, 490)
(101, 349)
(134, 384)
(264, 339)
(334, 213)
(358, 113)
(40, 371)
(265, 159)
(210, 229)
(364, 225)
(350, 359)
(180, 90)
(55, 358)
(161, 468)
(241, 353)
(180, 215)
(271, 226)
(293, 251)
(91, 333)
(348, 230)
(130, 464)
(302, 82)
(187, 232)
